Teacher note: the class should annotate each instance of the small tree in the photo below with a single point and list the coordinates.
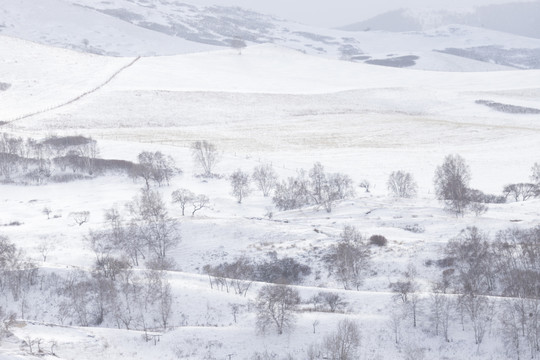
(473, 261)
(276, 305)
(344, 343)
(365, 184)
(401, 184)
(451, 183)
(292, 193)
(237, 44)
(80, 217)
(47, 211)
(240, 185)
(205, 155)
(199, 202)
(153, 225)
(182, 197)
(45, 247)
(349, 259)
(265, 177)
(154, 166)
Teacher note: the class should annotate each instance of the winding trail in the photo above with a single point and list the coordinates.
(109, 79)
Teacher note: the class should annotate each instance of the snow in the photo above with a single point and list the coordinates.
(270, 104)
(65, 24)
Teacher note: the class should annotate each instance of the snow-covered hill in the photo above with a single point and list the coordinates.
(133, 28)
(274, 105)
(519, 18)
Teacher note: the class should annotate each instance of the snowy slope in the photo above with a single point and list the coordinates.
(519, 18)
(63, 24)
(270, 104)
(131, 28)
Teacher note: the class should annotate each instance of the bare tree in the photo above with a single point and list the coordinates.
(401, 184)
(237, 44)
(199, 202)
(182, 197)
(365, 184)
(349, 259)
(45, 247)
(480, 311)
(292, 193)
(344, 343)
(451, 183)
(154, 225)
(276, 305)
(441, 307)
(407, 291)
(329, 301)
(205, 155)
(511, 330)
(473, 261)
(154, 166)
(80, 217)
(265, 177)
(240, 185)
(47, 211)
(521, 191)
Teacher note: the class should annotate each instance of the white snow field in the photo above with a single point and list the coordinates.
(269, 105)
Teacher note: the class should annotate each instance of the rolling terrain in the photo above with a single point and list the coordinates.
(271, 104)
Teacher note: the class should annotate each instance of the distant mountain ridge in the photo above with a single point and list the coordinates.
(520, 18)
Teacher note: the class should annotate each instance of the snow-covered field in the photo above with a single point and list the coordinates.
(269, 105)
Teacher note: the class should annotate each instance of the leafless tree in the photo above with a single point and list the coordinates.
(441, 307)
(237, 44)
(265, 177)
(451, 183)
(473, 261)
(80, 217)
(511, 330)
(292, 193)
(407, 291)
(327, 188)
(276, 306)
(338, 187)
(480, 311)
(365, 184)
(153, 224)
(521, 191)
(350, 258)
(182, 197)
(240, 185)
(329, 301)
(47, 211)
(205, 155)
(401, 184)
(154, 166)
(344, 343)
(199, 202)
(45, 247)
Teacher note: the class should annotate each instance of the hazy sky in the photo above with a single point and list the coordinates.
(340, 12)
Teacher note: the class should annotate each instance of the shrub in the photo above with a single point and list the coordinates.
(378, 240)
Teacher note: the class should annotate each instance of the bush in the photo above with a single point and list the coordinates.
(378, 240)
(328, 301)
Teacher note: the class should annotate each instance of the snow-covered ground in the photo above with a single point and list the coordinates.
(270, 104)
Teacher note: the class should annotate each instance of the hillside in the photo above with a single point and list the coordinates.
(270, 105)
(518, 18)
(132, 28)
